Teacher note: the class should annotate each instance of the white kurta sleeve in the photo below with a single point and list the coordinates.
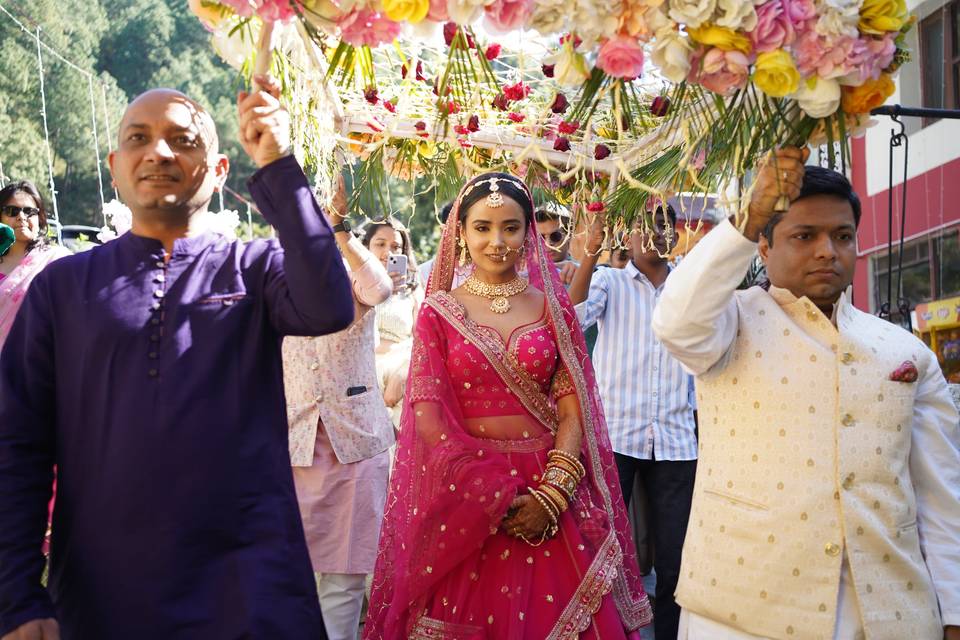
(935, 471)
(696, 318)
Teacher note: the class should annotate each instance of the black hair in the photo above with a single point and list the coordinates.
(671, 213)
(820, 181)
(445, 212)
(27, 187)
(544, 214)
(406, 245)
(506, 184)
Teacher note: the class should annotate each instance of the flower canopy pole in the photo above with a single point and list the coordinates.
(587, 125)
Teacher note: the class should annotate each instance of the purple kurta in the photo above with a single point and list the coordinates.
(157, 390)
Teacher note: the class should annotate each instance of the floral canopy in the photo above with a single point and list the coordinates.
(599, 104)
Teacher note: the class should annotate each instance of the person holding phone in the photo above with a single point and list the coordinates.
(389, 241)
(340, 433)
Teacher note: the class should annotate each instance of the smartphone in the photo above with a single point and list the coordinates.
(397, 264)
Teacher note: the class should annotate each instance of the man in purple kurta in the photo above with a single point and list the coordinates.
(148, 370)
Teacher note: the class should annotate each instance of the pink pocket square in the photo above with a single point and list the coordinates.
(906, 372)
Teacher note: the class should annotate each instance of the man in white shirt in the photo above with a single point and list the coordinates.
(827, 498)
(647, 396)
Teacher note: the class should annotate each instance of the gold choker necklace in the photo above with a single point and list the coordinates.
(498, 293)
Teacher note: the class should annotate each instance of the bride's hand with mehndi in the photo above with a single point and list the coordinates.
(526, 518)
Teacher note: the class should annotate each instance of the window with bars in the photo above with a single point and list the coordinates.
(940, 58)
(931, 271)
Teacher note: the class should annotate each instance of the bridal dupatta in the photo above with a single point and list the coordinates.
(450, 490)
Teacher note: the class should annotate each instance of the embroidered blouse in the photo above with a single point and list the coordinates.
(530, 353)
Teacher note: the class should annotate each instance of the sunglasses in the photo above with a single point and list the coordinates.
(12, 211)
(554, 237)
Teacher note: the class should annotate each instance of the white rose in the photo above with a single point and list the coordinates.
(838, 18)
(597, 20)
(657, 19)
(671, 54)
(569, 67)
(692, 13)
(120, 217)
(225, 223)
(818, 97)
(736, 14)
(465, 11)
(550, 16)
(234, 49)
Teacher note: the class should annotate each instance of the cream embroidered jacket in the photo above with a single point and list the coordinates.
(808, 451)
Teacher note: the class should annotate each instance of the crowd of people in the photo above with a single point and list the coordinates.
(264, 439)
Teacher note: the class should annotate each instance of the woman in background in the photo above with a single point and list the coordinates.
(21, 208)
(395, 316)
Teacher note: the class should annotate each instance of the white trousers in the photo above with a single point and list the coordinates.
(341, 599)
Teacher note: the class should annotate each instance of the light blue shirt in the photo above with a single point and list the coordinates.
(648, 398)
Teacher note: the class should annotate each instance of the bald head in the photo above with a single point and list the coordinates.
(167, 162)
(169, 100)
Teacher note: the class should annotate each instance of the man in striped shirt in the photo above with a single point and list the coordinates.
(647, 396)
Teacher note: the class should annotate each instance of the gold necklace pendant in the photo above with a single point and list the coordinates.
(499, 305)
(497, 293)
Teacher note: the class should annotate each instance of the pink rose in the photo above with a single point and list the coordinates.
(802, 13)
(276, 10)
(508, 15)
(621, 57)
(268, 10)
(438, 11)
(824, 57)
(364, 27)
(869, 56)
(719, 71)
(774, 27)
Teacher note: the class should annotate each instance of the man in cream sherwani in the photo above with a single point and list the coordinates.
(827, 498)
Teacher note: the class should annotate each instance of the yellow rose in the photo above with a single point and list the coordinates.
(880, 16)
(775, 73)
(720, 37)
(868, 96)
(411, 11)
(426, 149)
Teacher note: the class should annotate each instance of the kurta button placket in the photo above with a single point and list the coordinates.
(847, 420)
(156, 319)
(832, 550)
(846, 358)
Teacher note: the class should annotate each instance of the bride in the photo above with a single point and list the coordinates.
(504, 518)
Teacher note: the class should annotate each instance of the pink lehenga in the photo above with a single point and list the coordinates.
(478, 420)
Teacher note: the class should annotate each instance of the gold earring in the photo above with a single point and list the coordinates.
(463, 252)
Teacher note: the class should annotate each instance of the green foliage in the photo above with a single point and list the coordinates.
(131, 46)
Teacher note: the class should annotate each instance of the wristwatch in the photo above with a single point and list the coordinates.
(343, 226)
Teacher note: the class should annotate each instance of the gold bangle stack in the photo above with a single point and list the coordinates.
(556, 455)
(564, 472)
